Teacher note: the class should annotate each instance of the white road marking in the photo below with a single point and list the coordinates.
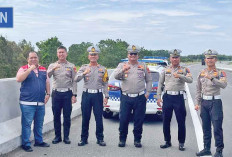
(196, 121)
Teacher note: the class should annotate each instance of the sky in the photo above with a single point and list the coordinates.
(190, 25)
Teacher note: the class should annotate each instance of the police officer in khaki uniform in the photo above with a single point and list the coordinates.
(136, 84)
(209, 82)
(172, 83)
(64, 93)
(95, 84)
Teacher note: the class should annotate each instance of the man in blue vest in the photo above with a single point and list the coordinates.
(34, 94)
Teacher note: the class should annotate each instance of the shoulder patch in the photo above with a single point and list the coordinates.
(41, 68)
(105, 76)
(75, 69)
(24, 67)
(202, 73)
(187, 70)
(140, 66)
(168, 70)
(223, 74)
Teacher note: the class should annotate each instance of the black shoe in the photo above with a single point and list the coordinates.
(181, 147)
(56, 140)
(166, 145)
(43, 144)
(66, 140)
(204, 152)
(101, 143)
(218, 154)
(82, 143)
(122, 143)
(27, 148)
(137, 144)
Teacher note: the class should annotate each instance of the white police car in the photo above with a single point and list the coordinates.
(156, 66)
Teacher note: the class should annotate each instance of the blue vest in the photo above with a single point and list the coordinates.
(33, 88)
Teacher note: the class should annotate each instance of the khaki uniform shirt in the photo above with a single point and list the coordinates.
(136, 79)
(63, 77)
(168, 82)
(97, 78)
(207, 87)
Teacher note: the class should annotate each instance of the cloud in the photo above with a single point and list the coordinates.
(206, 27)
(225, 1)
(145, 1)
(222, 34)
(156, 22)
(113, 16)
(152, 1)
(174, 13)
(27, 4)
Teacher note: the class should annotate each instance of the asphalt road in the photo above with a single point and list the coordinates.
(152, 135)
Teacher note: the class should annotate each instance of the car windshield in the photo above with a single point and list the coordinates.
(112, 76)
(154, 75)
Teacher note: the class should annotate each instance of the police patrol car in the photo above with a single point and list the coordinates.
(156, 65)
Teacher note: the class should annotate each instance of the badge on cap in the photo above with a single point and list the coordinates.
(209, 53)
(133, 47)
(93, 49)
(175, 52)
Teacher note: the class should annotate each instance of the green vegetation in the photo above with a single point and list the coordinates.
(13, 55)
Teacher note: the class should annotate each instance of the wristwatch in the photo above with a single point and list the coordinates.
(48, 94)
(74, 95)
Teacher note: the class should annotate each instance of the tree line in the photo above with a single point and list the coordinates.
(13, 55)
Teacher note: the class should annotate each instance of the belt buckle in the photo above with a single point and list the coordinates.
(173, 93)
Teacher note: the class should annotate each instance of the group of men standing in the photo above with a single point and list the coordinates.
(136, 85)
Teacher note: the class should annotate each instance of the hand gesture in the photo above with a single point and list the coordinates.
(32, 67)
(176, 75)
(208, 76)
(57, 65)
(87, 70)
(125, 67)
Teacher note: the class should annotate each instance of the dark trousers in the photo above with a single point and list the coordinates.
(89, 101)
(62, 100)
(138, 105)
(212, 111)
(176, 103)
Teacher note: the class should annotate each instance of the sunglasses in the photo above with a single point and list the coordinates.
(133, 54)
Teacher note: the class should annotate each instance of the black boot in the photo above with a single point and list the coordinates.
(218, 154)
(82, 143)
(204, 152)
(66, 140)
(56, 140)
(122, 143)
(101, 143)
(137, 144)
(181, 147)
(166, 145)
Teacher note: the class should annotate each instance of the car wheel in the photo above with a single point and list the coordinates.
(160, 117)
(107, 115)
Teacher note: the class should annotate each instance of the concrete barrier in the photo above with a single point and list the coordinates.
(10, 115)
